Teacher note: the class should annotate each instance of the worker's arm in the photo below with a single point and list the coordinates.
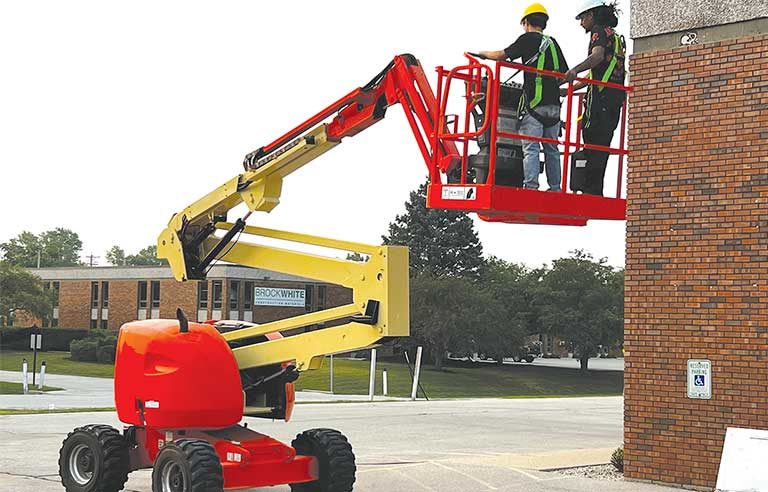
(513, 51)
(493, 55)
(577, 86)
(593, 60)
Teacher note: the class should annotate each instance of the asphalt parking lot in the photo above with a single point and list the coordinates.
(460, 445)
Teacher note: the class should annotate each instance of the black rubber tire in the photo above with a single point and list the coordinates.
(197, 467)
(335, 457)
(105, 454)
(529, 359)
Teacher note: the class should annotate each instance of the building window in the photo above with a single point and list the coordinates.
(94, 295)
(155, 294)
(54, 322)
(46, 323)
(321, 297)
(202, 295)
(56, 288)
(248, 296)
(143, 294)
(93, 324)
(234, 295)
(216, 294)
(104, 324)
(105, 295)
(308, 298)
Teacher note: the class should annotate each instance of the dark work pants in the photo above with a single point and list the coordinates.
(603, 120)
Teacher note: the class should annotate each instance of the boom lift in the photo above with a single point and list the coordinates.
(182, 388)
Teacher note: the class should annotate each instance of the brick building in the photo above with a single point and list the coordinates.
(107, 297)
(697, 233)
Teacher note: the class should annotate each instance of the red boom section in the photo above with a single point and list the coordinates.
(446, 149)
(168, 379)
(402, 81)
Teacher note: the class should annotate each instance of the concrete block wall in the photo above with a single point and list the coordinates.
(697, 254)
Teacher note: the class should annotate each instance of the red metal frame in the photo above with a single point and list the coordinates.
(445, 149)
(514, 205)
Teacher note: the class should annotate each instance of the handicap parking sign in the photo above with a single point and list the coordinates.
(699, 379)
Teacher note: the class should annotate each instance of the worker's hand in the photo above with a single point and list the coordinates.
(570, 76)
(477, 97)
(563, 91)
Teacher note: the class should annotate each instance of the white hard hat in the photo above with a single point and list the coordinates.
(588, 5)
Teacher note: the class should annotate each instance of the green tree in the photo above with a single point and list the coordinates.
(582, 301)
(116, 256)
(56, 248)
(21, 291)
(507, 291)
(440, 319)
(357, 257)
(146, 256)
(440, 242)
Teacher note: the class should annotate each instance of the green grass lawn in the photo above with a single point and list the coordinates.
(461, 380)
(55, 363)
(466, 380)
(18, 389)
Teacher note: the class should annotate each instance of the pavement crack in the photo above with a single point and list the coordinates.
(47, 478)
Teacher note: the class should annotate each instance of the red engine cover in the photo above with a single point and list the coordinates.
(178, 380)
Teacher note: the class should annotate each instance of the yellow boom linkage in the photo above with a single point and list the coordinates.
(379, 306)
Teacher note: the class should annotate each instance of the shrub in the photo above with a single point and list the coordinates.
(106, 354)
(84, 350)
(100, 346)
(53, 338)
(617, 459)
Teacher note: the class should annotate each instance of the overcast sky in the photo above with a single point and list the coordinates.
(115, 115)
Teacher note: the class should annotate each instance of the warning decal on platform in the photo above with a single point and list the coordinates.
(459, 192)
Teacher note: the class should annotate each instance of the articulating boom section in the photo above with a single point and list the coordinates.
(380, 285)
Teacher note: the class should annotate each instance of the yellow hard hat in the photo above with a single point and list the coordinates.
(534, 8)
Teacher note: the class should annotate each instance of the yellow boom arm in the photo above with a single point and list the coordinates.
(379, 307)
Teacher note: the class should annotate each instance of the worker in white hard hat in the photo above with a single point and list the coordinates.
(540, 103)
(602, 105)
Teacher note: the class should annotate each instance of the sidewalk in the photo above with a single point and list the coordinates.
(86, 392)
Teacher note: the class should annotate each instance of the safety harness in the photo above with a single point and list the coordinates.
(618, 47)
(547, 44)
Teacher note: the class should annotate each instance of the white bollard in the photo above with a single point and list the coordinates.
(24, 378)
(42, 376)
(416, 370)
(331, 370)
(372, 381)
(384, 380)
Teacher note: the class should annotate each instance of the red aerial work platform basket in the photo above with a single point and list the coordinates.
(475, 189)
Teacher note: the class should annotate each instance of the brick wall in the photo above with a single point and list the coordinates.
(75, 304)
(175, 295)
(123, 302)
(697, 255)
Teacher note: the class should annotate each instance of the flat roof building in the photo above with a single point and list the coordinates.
(108, 297)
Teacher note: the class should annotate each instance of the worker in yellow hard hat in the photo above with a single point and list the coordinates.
(539, 108)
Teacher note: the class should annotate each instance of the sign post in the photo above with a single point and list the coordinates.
(699, 379)
(35, 343)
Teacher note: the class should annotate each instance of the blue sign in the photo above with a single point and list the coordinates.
(698, 380)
